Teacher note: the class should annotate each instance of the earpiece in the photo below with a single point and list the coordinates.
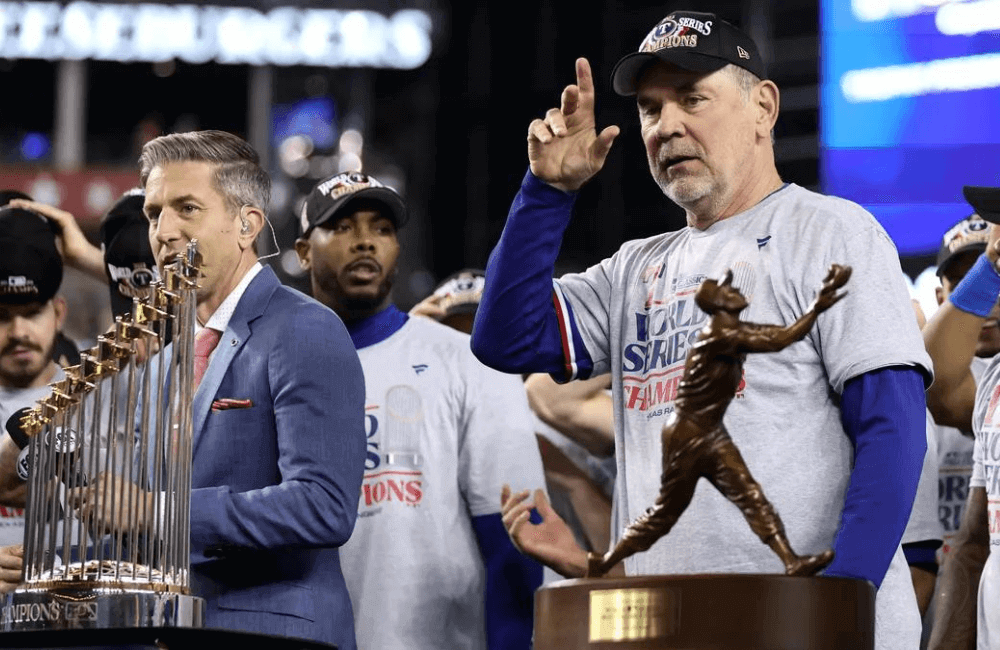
(246, 226)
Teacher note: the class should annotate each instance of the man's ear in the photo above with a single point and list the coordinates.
(767, 100)
(59, 305)
(939, 295)
(304, 251)
(251, 223)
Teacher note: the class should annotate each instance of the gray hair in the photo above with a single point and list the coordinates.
(238, 174)
(745, 80)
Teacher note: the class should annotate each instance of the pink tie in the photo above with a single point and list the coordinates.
(204, 342)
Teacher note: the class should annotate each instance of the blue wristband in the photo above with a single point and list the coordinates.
(978, 291)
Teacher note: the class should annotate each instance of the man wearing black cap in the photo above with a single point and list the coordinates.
(964, 396)
(832, 427)
(429, 564)
(30, 318)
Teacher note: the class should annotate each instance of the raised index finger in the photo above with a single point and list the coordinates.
(585, 82)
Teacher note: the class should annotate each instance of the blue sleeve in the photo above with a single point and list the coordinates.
(511, 581)
(520, 325)
(883, 412)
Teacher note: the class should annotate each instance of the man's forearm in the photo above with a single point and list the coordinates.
(950, 337)
(958, 585)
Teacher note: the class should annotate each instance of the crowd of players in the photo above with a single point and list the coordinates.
(382, 483)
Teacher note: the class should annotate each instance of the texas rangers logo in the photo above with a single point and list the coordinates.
(675, 31)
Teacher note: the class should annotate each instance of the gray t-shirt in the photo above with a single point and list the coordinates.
(637, 317)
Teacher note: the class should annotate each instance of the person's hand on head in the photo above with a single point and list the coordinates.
(564, 149)
(76, 249)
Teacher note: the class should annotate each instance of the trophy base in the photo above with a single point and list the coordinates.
(77, 608)
(706, 612)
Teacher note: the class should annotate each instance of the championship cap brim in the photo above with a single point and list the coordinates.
(985, 201)
(625, 76)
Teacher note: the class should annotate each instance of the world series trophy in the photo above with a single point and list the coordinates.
(712, 611)
(98, 555)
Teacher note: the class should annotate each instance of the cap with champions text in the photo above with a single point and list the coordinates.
(461, 292)
(31, 268)
(333, 194)
(967, 236)
(691, 40)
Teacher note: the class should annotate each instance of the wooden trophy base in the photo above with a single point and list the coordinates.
(706, 612)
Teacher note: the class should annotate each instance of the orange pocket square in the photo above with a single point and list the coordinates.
(226, 404)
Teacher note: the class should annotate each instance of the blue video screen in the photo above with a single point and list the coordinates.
(910, 110)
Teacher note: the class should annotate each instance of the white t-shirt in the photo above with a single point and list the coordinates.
(444, 434)
(986, 474)
(637, 317)
(954, 450)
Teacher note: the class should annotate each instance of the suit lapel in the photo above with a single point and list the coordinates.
(250, 307)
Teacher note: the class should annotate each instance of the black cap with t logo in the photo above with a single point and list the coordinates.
(700, 42)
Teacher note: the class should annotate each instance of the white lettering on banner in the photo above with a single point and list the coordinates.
(874, 10)
(282, 36)
(914, 79)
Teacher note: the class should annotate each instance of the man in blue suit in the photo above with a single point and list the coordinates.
(279, 441)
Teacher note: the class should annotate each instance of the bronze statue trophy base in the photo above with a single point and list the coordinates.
(706, 612)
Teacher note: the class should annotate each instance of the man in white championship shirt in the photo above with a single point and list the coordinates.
(967, 609)
(429, 565)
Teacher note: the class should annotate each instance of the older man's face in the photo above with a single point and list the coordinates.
(699, 134)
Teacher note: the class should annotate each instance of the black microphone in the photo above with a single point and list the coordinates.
(14, 430)
(63, 442)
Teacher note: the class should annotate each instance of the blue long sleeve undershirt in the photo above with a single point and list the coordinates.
(511, 578)
(517, 330)
(883, 412)
(511, 581)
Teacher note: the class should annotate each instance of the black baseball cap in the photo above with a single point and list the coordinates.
(31, 268)
(692, 40)
(985, 201)
(6, 196)
(332, 195)
(967, 236)
(128, 258)
(461, 292)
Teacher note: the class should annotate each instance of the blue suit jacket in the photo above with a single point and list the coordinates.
(276, 486)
